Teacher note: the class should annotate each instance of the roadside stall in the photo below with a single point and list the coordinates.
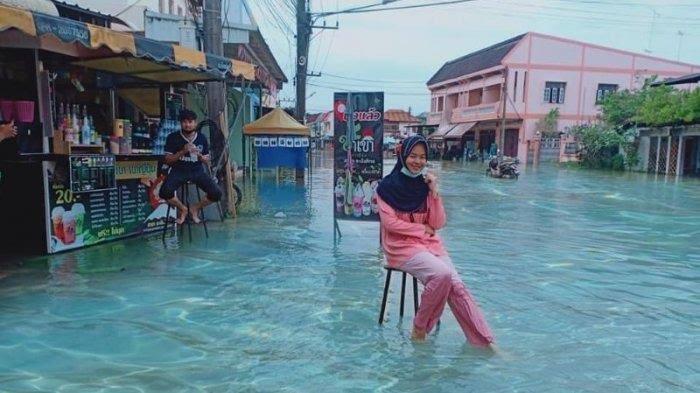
(279, 141)
(94, 107)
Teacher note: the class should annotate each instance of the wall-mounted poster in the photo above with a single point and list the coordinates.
(265, 142)
(273, 142)
(257, 142)
(297, 142)
(358, 160)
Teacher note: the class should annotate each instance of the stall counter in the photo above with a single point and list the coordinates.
(57, 202)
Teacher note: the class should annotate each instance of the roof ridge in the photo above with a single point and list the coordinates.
(494, 46)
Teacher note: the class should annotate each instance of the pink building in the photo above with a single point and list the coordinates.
(528, 76)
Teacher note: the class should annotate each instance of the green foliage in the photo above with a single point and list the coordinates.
(612, 142)
(617, 162)
(651, 106)
(547, 126)
(601, 146)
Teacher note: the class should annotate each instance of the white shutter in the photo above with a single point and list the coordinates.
(599, 96)
(561, 95)
(547, 94)
(555, 95)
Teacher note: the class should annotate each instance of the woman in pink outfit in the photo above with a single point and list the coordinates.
(411, 213)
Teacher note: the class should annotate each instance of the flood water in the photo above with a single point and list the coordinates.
(589, 280)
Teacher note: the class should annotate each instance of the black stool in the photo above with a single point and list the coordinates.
(185, 201)
(389, 270)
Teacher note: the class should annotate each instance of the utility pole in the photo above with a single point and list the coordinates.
(216, 92)
(304, 29)
(502, 134)
(303, 38)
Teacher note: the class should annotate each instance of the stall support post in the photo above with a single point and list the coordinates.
(41, 94)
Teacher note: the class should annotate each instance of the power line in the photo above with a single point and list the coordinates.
(350, 90)
(370, 8)
(373, 80)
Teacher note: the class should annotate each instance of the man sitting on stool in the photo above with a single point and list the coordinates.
(187, 152)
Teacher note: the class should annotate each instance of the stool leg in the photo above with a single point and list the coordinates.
(386, 293)
(187, 198)
(221, 210)
(403, 293)
(415, 295)
(204, 222)
(167, 219)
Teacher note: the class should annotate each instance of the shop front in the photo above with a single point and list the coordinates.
(93, 108)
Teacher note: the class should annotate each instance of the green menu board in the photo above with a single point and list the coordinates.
(78, 219)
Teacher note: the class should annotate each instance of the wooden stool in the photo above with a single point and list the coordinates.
(185, 201)
(389, 270)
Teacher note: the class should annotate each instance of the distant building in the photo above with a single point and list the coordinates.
(530, 75)
(396, 122)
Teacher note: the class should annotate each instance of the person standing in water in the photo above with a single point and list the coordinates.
(411, 213)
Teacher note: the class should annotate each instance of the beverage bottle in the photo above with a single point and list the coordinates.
(357, 199)
(76, 125)
(85, 131)
(339, 192)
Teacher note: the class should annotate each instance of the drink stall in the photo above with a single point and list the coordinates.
(93, 107)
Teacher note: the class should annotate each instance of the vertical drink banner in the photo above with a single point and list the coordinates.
(357, 154)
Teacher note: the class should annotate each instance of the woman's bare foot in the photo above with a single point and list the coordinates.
(418, 334)
(194, 212)
(182, 216)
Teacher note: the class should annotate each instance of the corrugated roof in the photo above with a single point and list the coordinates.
(681, 80)
(312, 117)
(475, 61)
(400, 116)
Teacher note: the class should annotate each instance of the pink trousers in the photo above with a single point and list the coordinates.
(443, 285)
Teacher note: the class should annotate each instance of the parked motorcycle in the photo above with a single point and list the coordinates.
(507, 169)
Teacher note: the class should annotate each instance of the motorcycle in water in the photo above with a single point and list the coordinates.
(507, 169)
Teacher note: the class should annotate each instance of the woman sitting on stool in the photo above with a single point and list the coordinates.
(411, 212)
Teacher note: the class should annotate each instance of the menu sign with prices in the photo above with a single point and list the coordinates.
(92, 173)
(131, 207)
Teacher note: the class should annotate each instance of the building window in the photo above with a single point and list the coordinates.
(524, 85)
(604, 90)
(515, 86)
(554, 92)
(171, 7)
(440, 103)
(179, 11)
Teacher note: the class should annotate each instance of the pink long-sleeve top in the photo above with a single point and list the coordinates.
(403, 234)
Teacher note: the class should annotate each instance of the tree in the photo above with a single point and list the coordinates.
(548, 125)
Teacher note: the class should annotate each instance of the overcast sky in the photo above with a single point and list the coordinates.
(405, 48)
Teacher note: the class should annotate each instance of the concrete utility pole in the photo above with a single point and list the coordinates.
(303, 38)
(502, 134)
(216, 91)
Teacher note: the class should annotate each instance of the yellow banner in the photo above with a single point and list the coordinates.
(136, 169)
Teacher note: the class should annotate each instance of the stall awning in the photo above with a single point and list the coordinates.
(459, 130)
(277, 122)
(441, 132)
(129, 54)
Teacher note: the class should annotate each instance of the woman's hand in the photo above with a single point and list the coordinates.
(429, 230)
(432, 181)
(8, 131)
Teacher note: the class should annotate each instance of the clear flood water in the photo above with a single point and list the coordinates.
(589, 280)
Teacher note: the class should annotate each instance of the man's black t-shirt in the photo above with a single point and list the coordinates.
(177, 141)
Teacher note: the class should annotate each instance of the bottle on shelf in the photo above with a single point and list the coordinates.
(75, 124)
